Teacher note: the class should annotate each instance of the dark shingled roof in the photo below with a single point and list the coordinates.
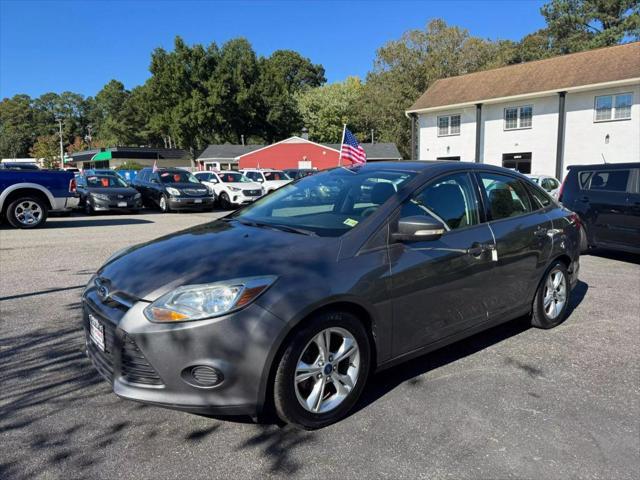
(387, 151)
(621, 62)
(227, 150)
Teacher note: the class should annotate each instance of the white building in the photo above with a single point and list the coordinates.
(537, 117)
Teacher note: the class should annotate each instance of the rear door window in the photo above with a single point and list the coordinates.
(507, 196)
(605, 180)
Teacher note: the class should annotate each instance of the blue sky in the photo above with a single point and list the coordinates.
(80, 45)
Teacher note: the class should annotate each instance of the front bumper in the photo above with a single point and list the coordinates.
(190, 203)
(115, 204)
(150, 363)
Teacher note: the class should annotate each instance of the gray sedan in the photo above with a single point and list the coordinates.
(292, 302)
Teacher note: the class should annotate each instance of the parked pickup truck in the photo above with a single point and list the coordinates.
(27, 196)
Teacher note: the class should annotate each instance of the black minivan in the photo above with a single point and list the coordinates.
(606, 197)
(173, 189)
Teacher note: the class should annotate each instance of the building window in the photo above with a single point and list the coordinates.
(448, 125)
(518, 117)
(613, 107)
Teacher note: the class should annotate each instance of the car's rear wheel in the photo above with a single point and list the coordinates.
(323, 371)
(27, 212)
(88, 208)
(552, 298)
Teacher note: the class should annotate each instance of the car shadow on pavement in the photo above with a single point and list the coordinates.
(615, 255)
(384, 382)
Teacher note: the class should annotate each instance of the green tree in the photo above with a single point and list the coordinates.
(326, 109)
(233, 92)
(47, 148)
(283, 75)
(576, 25)
(112, 115)
(404, 69)
(17, 126)
(179, 110)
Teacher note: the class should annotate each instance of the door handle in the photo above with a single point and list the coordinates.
(476, 250)
(540, 232)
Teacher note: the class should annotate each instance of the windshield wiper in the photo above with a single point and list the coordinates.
(276, 226)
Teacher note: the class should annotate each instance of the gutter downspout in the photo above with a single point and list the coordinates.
(413, 116)
(560, 143)
(478, 131)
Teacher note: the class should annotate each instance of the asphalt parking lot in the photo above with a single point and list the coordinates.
(513, 402)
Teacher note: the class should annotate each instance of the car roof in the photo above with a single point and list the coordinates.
(605, 166)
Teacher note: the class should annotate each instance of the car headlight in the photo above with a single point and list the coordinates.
(100, 196)
(173, 191)
(235, 189)
(137, 195)
(198, 302)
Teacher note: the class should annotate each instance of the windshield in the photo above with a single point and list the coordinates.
(178, 177)
(106, 181)
(327, 204)
(233, 177)
(276, 175)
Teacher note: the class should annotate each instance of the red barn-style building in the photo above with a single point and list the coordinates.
(294, 152)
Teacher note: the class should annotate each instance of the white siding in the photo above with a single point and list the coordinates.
(585, 139)
(431, 146)
(540, 139)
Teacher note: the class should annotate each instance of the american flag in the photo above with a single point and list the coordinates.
(351, 149)
(155, 166)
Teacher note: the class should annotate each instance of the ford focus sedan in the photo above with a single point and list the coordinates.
(292, 302)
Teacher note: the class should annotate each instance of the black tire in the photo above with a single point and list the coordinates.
(88, 208)
(286, 403)
(584, 241)
(539, 317)
(225, 203)
(166, 208)
(16, 208)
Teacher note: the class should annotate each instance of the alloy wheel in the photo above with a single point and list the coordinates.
(28, 213)
(555, 294)
(327, 370)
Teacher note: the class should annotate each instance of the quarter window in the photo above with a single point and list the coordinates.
(507, 196)
(518, 117)
(449, 199)
(613, 107)
(608, 180)
(448, 125)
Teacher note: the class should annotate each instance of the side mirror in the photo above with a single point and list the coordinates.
(419, 228)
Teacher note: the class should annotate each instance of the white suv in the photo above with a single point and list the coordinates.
(231, 188)
(269, 179)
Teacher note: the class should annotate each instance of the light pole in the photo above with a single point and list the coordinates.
(88, 136)
(59, 119)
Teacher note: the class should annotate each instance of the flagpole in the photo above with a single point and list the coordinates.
(344, 130)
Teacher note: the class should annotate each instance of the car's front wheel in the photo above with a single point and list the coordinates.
(552, 298)
(164, 204)
(323, 371)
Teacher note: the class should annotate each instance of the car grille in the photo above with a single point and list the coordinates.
(103, 361)
(252, 193)
(195, 192)
(134, 367)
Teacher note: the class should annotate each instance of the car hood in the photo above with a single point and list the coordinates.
(244, 185)
(111, 191)
(183, 186)
(216, 251)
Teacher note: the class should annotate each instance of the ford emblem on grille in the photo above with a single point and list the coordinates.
(102, 289)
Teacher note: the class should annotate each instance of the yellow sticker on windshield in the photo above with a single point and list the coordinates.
(351, 222)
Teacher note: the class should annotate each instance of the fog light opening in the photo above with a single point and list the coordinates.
(203, 376)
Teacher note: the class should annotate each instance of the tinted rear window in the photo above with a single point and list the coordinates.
(606, 180)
